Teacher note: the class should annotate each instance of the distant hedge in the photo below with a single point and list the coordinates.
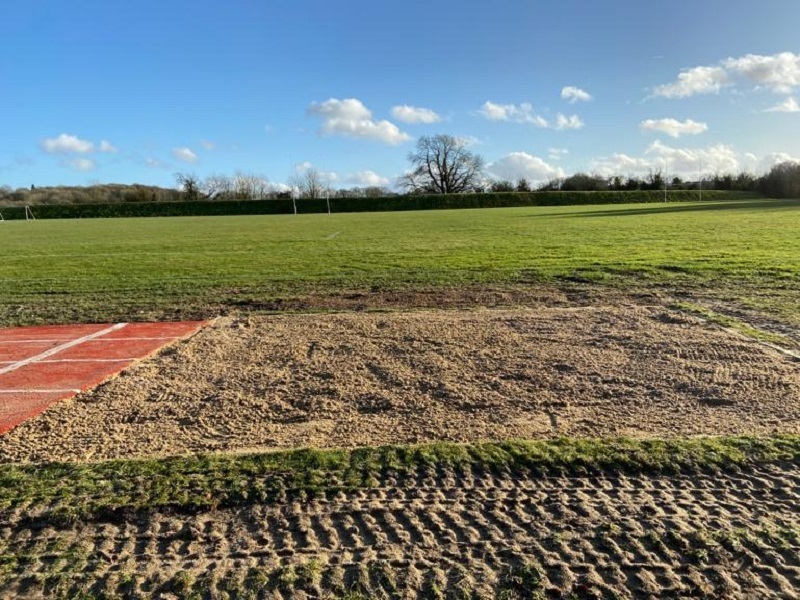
(342, 205)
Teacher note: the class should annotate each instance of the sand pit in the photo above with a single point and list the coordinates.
(271, 382)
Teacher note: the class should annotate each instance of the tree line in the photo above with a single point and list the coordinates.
(93, 194)
(444, 164)
(440, 164)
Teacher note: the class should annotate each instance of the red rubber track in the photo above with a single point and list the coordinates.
(42, 365)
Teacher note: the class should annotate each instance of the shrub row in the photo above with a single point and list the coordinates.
(341, 205)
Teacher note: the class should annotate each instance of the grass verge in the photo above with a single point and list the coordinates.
(189, 484)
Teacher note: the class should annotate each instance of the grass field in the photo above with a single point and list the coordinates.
(100, 270)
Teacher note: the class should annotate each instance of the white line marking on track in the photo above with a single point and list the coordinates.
(85, 360)
(129, 339)
(59, 348)
(333, 235)
(76, 391)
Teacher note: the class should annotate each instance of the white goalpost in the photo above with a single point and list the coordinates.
(700, 181)
(29, 214)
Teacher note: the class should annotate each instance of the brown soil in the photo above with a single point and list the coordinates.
(570, 294)
(439, 534)
(366, 379)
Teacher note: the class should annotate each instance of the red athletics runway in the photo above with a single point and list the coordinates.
(41, 365)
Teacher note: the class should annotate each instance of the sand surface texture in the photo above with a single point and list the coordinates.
(377, 378)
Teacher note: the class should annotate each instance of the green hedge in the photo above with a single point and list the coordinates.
(340, 205)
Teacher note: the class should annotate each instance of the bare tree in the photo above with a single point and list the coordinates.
(218, 186)
(242, 186)
(189, 184)
(250, 187)
(442, 164)
(309, 184)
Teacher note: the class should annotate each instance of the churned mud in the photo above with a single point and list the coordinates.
(438, 533)
(352, 379)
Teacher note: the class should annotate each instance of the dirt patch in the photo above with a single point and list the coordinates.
(566, 294)
(368, 379)
(436, 533)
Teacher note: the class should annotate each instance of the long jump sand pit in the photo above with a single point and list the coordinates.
(343, 380)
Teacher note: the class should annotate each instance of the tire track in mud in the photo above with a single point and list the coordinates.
(723, 534)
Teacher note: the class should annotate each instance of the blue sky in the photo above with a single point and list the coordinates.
(132, 92)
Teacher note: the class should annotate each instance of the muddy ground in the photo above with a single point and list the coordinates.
(440, 534)
(351, 379)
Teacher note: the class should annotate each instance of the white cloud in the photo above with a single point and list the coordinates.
(686, 162)
(515, 165)
(208, 145)
(699, 80)
(719, 158)
(556, 153)
(154, 163)
(349, 117)
(766, 162)
(278, 187)
(779, 73)
(673, 127)
(367, 178)
(184, 155)
(66, 144)
(106, 146)
(413, 114)
(81, 164)
(570, 122)
(790, 105)
(539, 121)
(574, 94)
(522, 113)
(497, 112)
(620, 164)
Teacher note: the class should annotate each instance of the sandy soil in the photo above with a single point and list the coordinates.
(364, 379)
(440, 534)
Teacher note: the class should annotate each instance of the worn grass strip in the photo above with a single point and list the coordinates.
(66, 491)
(735, 324)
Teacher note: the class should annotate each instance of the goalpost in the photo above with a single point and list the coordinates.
(29, 214)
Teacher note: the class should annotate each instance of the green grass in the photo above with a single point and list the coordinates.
(115, 269)
(67, 491)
